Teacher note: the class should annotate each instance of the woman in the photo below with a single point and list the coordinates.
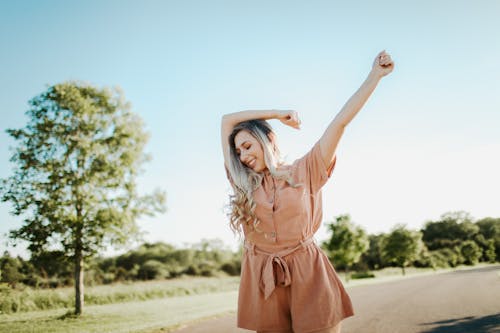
(287, 282)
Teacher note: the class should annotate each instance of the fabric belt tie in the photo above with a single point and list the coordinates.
(270, 277)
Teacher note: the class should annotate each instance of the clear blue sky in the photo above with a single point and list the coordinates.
(427, 141)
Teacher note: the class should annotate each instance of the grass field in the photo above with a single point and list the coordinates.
(31, 299)
(160, 315)
(123, 317)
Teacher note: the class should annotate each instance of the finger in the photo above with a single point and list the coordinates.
(388, 60)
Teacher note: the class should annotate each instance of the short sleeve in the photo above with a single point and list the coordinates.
(312, 169)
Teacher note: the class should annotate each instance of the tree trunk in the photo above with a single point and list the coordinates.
(346, 273)
(403, 268)
(78, 235)
(79, 291)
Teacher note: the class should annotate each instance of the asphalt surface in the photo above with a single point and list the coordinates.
(466, 301)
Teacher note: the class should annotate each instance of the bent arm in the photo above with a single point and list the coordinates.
(382, 66)
(232, 119)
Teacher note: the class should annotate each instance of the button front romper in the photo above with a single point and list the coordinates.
(287, 282)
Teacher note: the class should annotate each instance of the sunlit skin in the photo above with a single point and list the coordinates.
(250, 151)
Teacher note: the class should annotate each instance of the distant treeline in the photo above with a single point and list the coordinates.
(147, 262)
(453, 240)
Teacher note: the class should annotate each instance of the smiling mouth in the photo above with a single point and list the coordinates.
(251, 163)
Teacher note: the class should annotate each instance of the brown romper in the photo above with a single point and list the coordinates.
(287, 282)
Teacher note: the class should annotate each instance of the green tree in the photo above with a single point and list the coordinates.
(11, 269)
(152, 269)
(372, 257)
(347, 243)
(52, 264)
(489, 252)
(449, 231)
(471, 252)
(490, 228)
(76, 162)
(401, 246)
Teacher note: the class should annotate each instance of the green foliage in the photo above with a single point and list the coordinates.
(29, 299)
(454, 229)
(152, 269)
(401, 246)
(347, 243)
(438, 259)
(487, 247)
(490, 228)
(453, 256)
(471, 252)
(52, 269)
(76, 163)
(372, 258)
(451, 230)
(362, 275)
(207, 258)
(153, 315)
(489, 253)
(11, 270)
(442, 258)
(77, 160)
(232, 267)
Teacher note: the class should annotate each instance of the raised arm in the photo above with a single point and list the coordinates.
(382, 66)
(288, 117)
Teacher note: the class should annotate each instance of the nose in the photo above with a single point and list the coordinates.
(244, 157)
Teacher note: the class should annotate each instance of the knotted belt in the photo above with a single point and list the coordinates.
(282, 278)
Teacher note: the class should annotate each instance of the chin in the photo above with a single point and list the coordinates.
(261, 169)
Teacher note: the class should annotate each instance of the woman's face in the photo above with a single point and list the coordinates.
(250, 151)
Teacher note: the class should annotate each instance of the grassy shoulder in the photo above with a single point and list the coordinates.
(389, 274)
(29, 299)
(123, 317)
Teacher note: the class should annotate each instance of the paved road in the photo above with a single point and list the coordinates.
(465, 301)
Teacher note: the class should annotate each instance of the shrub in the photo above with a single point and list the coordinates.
(471, 252)
(362, 275)
(232, 267)
(192, 270)
(439, 259)
(152, 269)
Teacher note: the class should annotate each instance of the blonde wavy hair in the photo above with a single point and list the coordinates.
(245, 180)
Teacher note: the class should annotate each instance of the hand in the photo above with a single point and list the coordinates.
(383, 64)
(290, 118)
